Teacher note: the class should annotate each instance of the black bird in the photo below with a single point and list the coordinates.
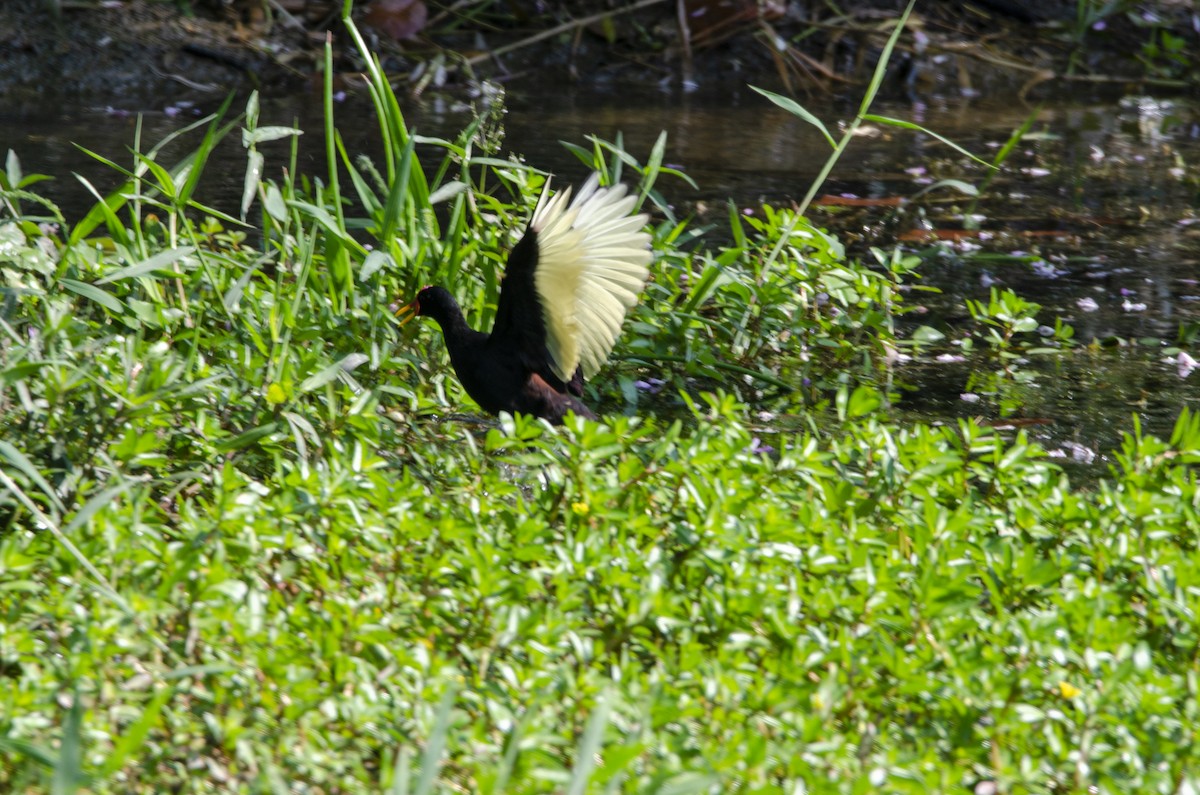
(580, 265)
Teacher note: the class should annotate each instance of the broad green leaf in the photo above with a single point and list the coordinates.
(12, 169)
(448, 191)
(19, 372)
(252, 107)
(252, 179)
(94, 293)
(345, 365)
(263, 134)
(275, 205)
(104, 210)
(374, 261)
(927, 335)
(248, 438)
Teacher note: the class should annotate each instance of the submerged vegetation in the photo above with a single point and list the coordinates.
(245, 547)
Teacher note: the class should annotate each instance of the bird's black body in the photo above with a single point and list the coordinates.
(494, 368)
(564, 294)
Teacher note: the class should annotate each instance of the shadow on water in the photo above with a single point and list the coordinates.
(1093, 218)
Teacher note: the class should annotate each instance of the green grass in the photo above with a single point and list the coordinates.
(247, 546)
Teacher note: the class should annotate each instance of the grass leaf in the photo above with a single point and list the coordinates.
(799, 111)
(94, 293)
(158, 262)
(18, 459)
(908, 125)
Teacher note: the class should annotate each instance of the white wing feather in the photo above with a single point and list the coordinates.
(592, 264)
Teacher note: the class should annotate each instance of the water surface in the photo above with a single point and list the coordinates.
(1094, 214)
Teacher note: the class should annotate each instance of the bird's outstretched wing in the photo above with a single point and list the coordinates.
(519, 330)
(592, 259)
(569, 281)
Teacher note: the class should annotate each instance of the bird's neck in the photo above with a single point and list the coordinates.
(457, 333)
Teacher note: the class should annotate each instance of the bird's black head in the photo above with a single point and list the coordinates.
(435, 302)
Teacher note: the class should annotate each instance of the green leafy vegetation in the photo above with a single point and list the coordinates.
(244, 548)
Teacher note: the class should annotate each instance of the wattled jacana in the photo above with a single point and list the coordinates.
(580, 265)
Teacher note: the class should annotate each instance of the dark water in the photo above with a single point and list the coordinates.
(1094, 216)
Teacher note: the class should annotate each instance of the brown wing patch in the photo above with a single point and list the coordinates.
(543, 400)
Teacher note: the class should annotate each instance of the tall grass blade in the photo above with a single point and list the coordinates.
(158, 262)
(1002, 155)
(18, 459)
(653, 166)
(331, 160)
(908, 125)
(168, 183)
(400, 772)
(589, 746)
(68, 768)
(43, 756)
(197, 160)
(104, 211)
(885, 58)
(435, 748)
(398, 196)
(367, 196)
(796, 109)
(512, 748)
(134, 737)
(99, 500)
